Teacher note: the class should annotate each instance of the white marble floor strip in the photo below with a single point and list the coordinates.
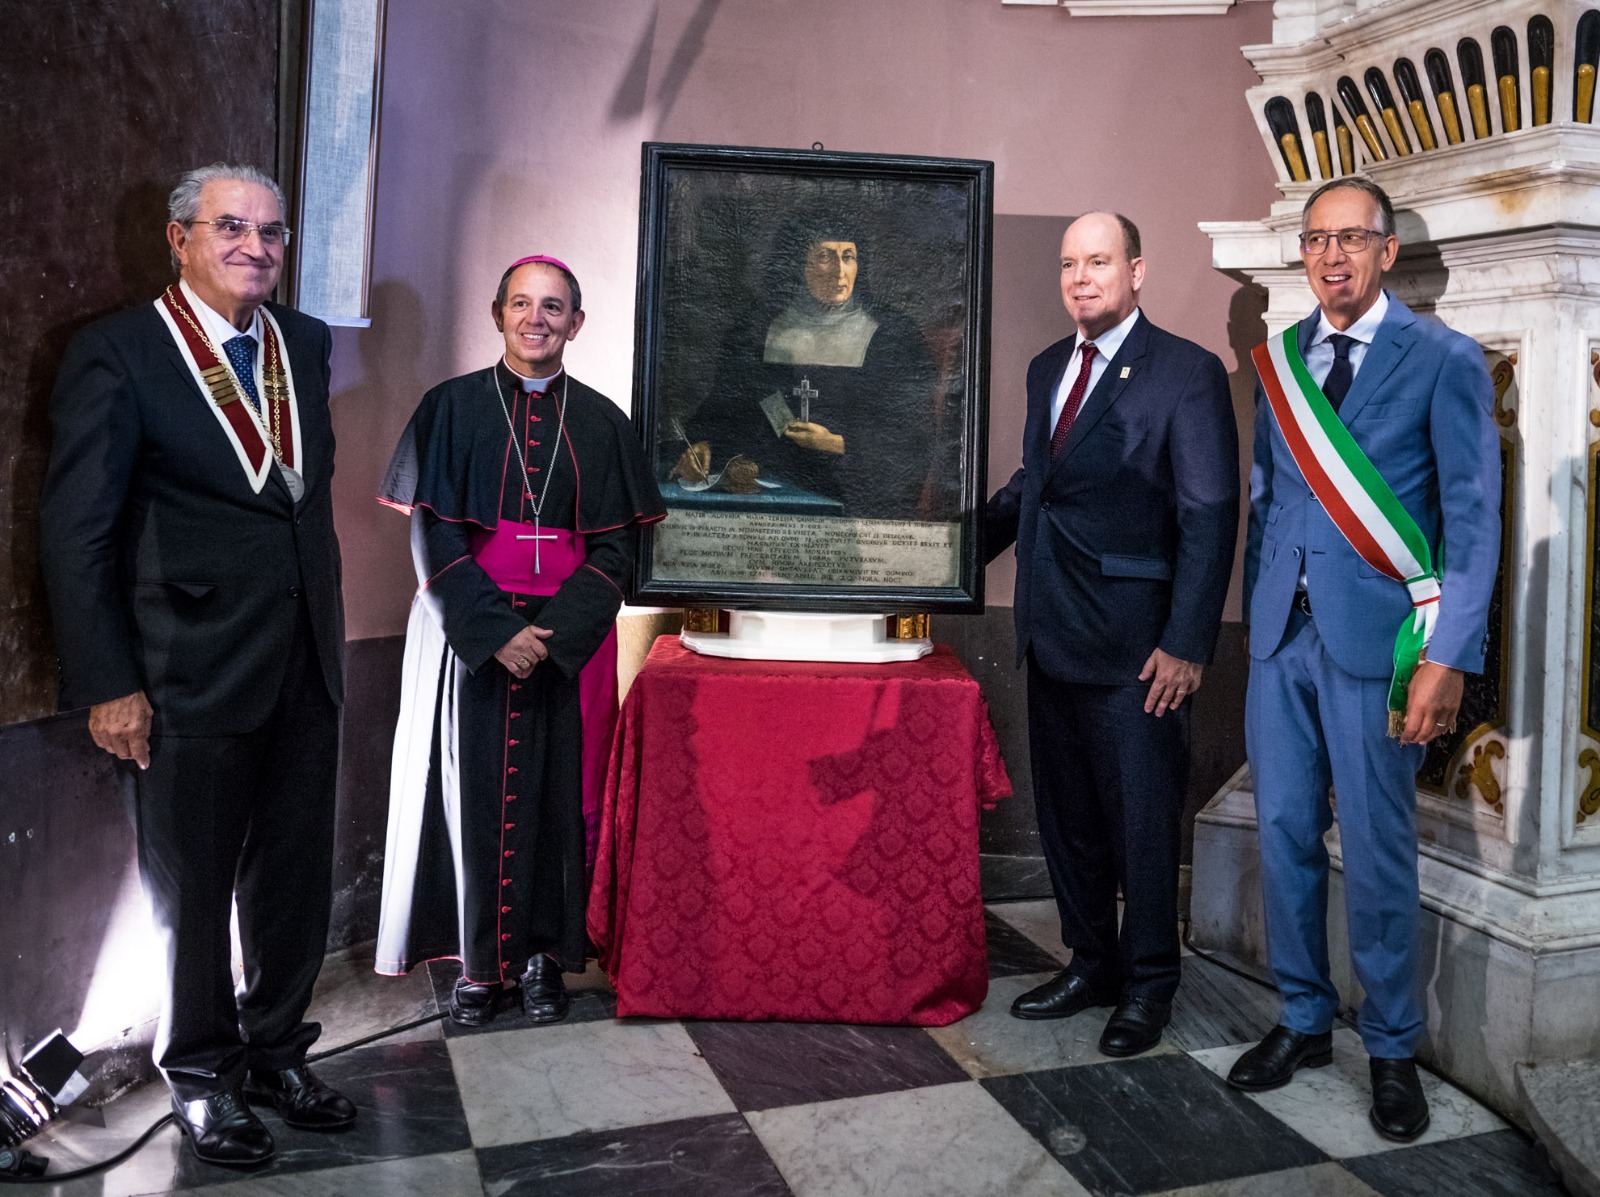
(542, 1082)
(993, 1043)
(944, 1139)
(1329, 1105)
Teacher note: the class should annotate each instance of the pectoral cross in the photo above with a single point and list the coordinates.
(536, 536)
(805, 392)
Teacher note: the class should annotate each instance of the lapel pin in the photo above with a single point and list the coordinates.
(1126, 370)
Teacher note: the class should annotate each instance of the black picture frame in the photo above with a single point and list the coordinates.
(816, 324)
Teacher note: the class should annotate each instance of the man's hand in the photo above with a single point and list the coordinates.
(122, 727)
(1174, 681)
(814, 436)
(524, 650)
(1432, 701)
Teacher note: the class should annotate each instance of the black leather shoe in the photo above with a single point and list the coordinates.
(1399, 1107)
(301, 1098)
(223, 1130)
(1135, 1026)
(1062, 996)
(473, 1005)
(544, 994)
(1271, 1063)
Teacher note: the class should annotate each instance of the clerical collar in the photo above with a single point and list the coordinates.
(218, 327)
(1363, 330)
(528, 385)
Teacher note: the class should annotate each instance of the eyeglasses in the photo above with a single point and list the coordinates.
(1352, 241)
(230, 229)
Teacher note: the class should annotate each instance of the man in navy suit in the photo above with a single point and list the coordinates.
(193, 576)
(1415, 399)
(1124, 514)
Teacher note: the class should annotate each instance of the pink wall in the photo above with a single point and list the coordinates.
(513, 126)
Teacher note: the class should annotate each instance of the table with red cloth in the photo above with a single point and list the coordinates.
(796, 840)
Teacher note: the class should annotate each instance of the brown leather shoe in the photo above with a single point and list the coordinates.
(222, 1129)
(301, 1098)
(544, 993)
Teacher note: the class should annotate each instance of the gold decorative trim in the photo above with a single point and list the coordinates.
(1588, 758)
(1478, 774)
(1593, 458)
(1589, 800)
(701, 619)
(910, 627)
(1504, 377)
(1459, 766)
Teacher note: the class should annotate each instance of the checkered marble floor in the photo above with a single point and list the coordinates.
(990, 1105)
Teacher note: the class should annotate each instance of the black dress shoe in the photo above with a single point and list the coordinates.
(473, 1005)
(1271, 1063)
(223, 1130)
(1062, 996)
(301, 1098)
(1399, 1107)
(1135, 1026)
(544, 994)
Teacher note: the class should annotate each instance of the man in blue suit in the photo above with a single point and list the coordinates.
(1415, 400)
(1124, 514)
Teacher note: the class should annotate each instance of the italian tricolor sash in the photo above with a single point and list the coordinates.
(1356, 498)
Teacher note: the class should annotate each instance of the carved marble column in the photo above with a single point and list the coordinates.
(1499, 223)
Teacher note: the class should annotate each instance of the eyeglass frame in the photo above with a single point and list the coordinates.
(246, 227)
(1338, 235)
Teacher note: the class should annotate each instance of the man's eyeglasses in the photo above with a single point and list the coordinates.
(230, 229)
(1315, 241)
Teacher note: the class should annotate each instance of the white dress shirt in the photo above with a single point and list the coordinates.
(1105, 348)
(1319, 354)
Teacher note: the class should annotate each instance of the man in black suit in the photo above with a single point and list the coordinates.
(1124, 515)
(193, 576)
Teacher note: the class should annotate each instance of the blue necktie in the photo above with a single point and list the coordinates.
(241, 353)
(1337, 385)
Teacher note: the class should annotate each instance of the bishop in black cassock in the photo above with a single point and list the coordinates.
(526, 490)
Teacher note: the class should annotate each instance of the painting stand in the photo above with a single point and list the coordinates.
(805, 636)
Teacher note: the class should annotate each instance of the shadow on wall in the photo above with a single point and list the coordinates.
(1217, 732)
(632, 96)
(28, 679)
(369, 411)
(1247, 328)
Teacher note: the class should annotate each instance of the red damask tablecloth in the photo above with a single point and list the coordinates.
(796, 841)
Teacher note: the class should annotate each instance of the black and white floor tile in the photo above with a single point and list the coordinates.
(989, 1105)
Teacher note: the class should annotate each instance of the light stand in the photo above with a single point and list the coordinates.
(47, 1079)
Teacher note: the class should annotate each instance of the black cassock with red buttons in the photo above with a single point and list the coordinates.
(489, 770)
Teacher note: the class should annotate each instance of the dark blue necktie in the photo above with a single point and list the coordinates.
(1337, 385)
(241, 353)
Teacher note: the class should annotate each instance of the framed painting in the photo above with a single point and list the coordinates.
(811, 378)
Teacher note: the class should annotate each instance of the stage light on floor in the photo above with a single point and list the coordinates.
(34, 1092)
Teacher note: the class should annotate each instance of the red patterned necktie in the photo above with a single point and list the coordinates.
(1069, 410)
